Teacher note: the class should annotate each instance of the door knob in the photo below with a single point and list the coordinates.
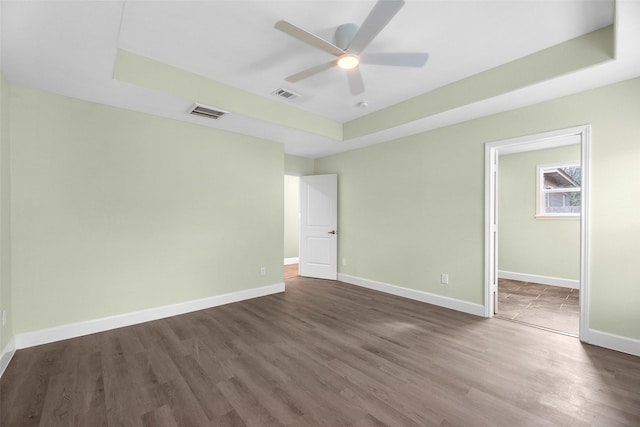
(332, 232)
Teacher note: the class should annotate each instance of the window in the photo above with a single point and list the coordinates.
(558, 191)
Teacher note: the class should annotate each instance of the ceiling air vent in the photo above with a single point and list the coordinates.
(286, 94)
(205, 111)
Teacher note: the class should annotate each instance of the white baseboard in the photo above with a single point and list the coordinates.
(543, 280)
(611, 341)
(58, 333)
(454, 304)
(289, 261)
(7, 353)
(591, 336)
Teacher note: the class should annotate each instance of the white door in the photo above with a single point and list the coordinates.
(318, 226)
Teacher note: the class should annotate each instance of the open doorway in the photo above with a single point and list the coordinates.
(539, 195)
(495, 273)
(291, 225)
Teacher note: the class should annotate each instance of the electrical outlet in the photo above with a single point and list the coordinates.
(263, 271)
(344, 261)
(4, 317)
(444, 279)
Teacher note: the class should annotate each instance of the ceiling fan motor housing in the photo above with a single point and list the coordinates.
(344, 35)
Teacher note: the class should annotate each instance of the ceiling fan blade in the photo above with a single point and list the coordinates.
(308, 38)
(356, 84)
(310, 72)
(378, 18)
(399, 59)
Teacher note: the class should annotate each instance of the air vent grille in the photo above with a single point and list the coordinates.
(286, 94)
(205, 111)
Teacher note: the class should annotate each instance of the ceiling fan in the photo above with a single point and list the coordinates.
(351, 41)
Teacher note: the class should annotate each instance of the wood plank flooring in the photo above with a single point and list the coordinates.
(290, 271)
(322, 353)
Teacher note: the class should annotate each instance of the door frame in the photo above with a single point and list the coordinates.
(539, 141)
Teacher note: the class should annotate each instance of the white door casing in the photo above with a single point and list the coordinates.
(494, 236)
(578, 134)
(318, 226)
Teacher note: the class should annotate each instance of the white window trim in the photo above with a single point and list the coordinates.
(540, 192)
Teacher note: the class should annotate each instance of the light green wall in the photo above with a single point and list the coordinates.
(543, 247)
(409, 210)
(111, 213)
(6, 332)
(116, 211)
(296, 165)
(291, 216)
(413, 208)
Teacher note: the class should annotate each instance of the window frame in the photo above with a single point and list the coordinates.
(541, 191)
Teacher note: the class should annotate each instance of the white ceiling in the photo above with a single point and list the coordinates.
(70, 47)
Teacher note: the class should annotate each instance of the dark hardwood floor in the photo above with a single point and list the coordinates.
(322, 353)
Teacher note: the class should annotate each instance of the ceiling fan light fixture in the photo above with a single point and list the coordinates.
(348, 61)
